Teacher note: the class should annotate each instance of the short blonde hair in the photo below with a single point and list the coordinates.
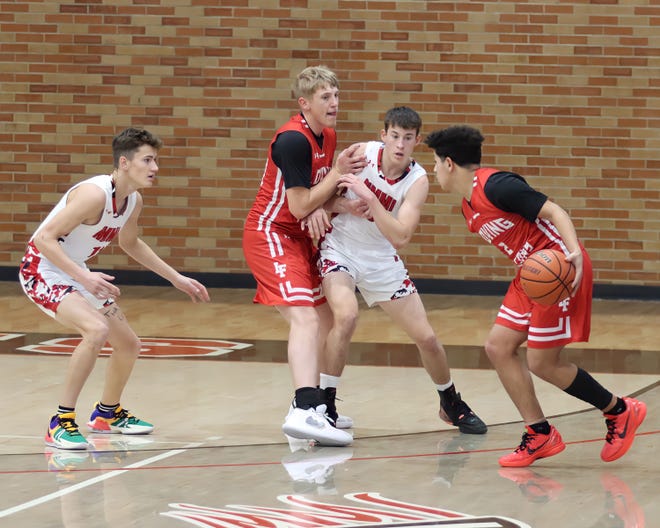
(311, 79)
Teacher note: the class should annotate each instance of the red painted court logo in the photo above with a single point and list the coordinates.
(301, 512)
(158, 347)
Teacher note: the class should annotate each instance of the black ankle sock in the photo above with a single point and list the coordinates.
(541, 427)
(618, 408)
(307, 397)
(63, 410)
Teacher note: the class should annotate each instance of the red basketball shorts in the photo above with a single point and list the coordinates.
(568, 321)
(284, 267)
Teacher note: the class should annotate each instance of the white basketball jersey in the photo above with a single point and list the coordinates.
(353, 234)
(85, 241)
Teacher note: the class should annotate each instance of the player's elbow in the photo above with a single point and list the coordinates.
(400, 242)
(299, 211)
(127, 245)
(41, 240)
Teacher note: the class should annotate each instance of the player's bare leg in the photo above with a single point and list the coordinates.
(108, 415)
(502, 347)
(76, 313)
(125, 351)
(408, 312)
(339, 290)
(303, 344)
(540, 438)
(307, 417)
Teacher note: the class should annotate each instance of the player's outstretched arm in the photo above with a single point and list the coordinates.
(139, 250)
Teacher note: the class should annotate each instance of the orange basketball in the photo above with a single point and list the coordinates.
(546, 277)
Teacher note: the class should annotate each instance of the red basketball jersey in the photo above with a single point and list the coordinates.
(270, 210)
(512, 234)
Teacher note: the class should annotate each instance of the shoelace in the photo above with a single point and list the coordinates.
(611, 429)
(123, 414)
(526, 440)
(69, 425)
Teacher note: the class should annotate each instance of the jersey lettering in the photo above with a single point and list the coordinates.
(523, 253)
(106, 234)
(95, 251)
(506, 249)
(387, 201)
(280, 269)
(490, 230)
(320, 174)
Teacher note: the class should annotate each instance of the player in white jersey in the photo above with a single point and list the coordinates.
(55, 276)
(362, 251)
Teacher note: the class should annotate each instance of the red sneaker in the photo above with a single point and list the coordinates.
(621, 429)
(534, 446)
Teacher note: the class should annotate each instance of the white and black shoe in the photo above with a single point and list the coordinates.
(338, 420)
(313, 424)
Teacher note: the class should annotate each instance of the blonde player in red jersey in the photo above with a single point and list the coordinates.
(55, 276)
(518, 220)
(278, 240)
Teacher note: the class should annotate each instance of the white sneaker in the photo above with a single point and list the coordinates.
(312, 424)
(342, 422)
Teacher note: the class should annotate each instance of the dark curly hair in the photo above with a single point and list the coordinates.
(461, 143)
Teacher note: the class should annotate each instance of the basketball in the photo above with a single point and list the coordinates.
(546, 277)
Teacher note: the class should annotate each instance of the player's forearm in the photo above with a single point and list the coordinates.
(304, 202)
(562, 221)
(394, 231)
(142, 253)
(51, 249)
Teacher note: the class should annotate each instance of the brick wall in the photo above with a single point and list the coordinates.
(566, 93)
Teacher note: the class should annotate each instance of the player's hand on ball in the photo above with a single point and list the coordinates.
(576, 260)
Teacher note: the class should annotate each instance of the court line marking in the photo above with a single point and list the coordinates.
(90, 482)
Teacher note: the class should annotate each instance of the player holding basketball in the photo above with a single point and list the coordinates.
(55, 276)
(362, 251)
(518, 220)
(299, 177)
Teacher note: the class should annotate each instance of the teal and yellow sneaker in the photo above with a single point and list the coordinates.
(120, 421)
(63, 432)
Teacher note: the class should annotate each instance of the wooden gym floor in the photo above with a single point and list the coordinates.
(214, 380)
